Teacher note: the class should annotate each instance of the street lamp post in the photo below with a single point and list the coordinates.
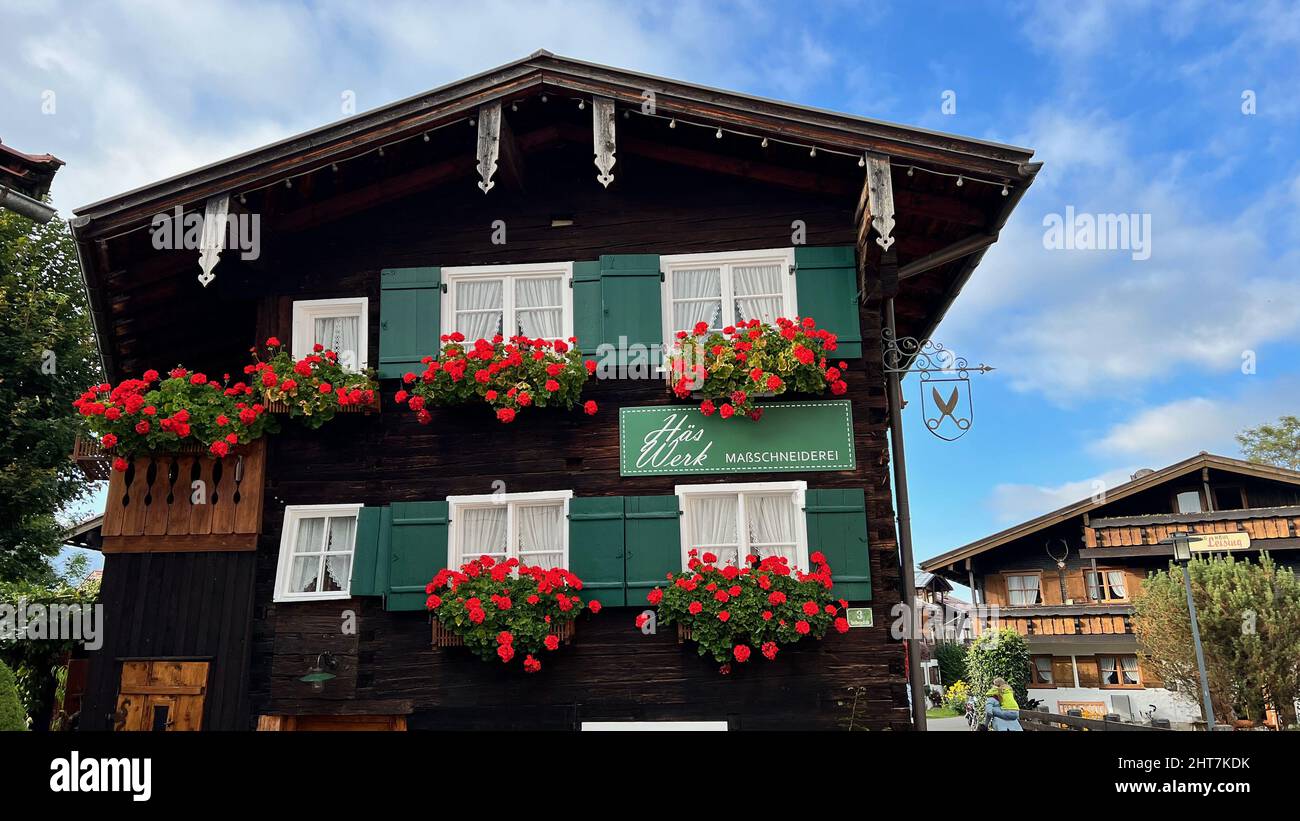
(1183, 555)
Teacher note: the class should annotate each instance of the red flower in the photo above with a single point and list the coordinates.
(776, 597)
(505, 415)
(839, 388)
(724, 615)
(810, 608)
(741, 652)
(150, 376)
(119, 465)
(109, 440)
(707, 407)
(802, 627)
(552, 385)
(505, 637)
(701, 328)
(531, 664)
(842, 624)
(506, 652)
(709, 558)
(593, 606)
(767, 615)
(272, 342)
(220, 448)
(589, 407)
(655, 596)
(477, 615)
(727, 411)
(142, 427)
(769, 650)
(552, 642)
(694, 607)
(722, 596)
(433, 601)
(818, 557)
(641, 620)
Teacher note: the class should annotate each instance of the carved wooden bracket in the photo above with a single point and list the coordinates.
(880, 193)
(489, 143)
(602, 137)
(213, 239)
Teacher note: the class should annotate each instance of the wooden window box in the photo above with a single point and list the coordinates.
(150, 507)
(683, 633)
(96, 465)
(442, 637)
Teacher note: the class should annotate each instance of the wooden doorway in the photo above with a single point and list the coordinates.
(161, 696)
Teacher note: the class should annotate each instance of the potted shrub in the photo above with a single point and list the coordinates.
(505, 610)
(729, 369)
(733, 613)
(507, 375)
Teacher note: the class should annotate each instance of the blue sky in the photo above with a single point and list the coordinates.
(1105, 363)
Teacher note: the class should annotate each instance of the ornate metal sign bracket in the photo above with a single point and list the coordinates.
(946, 404)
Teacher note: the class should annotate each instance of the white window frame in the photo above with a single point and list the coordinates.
(799, 491)
(293, 514)
(307, 311)
(450, 276)
(725, 260)
(455, 504)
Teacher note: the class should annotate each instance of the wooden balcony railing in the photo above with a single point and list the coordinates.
(1083, 624)
(156, 505)
(1137, 531)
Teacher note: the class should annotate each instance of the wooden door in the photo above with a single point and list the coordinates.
(161, 696)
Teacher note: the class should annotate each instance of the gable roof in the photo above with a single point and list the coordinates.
(1154, 479)
(456, 99)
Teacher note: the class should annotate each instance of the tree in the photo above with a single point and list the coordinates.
(951, 656)
(1249, 617)
(1273, 444)
(1000, 653)
(47, 358)
(11, 711)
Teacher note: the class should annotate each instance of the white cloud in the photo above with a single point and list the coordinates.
(1013, 503)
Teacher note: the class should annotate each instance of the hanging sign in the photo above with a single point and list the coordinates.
(1217, 542)
(667, 440)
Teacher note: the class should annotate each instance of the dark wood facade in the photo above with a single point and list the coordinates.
(676, 197)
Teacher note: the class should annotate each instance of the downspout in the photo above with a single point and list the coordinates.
(895, 393)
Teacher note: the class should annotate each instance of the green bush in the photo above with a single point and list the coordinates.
(1002, 653)
(951, 656)
(12, 716)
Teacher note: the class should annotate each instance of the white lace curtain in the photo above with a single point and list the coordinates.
(338, 553)
(697, 297)
(339, 334)
(541, 535)
(713, 526)
(481, 532)
(1022, 591)
(539, 308)
(306, 559)
(1109, 674)
(771, 526)
(479, 308)
(758, 292)
(1129, 666)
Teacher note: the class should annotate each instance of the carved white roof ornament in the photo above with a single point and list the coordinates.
(602, 137)
(880, 193)
(213, 239)
(489, 143)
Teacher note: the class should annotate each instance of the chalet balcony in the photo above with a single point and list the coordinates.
(185, 501)
(1062, 620)
(1270, 528)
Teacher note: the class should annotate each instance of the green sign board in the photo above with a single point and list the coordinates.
(668, 440)
(859, 616)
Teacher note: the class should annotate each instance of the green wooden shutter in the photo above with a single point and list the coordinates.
(826, 285)
(372, 542)
(587, 312)
(418, 549)
(630, 301)
(653, 538)
(410, 304)
(596, 547)
(837, 526)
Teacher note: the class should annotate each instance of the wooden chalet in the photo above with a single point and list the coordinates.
(610, 184)
(1066, 580)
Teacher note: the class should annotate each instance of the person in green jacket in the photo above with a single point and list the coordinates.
(1001, 708)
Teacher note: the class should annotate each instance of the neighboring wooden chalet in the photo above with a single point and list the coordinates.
(1076, 615)
(25, 179)
(377, 228)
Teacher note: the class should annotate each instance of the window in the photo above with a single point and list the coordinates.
(485, 300)
(1188, 501)
(1229, 498)
(1022, 590)
(1119, 671)
(530, 527)
(1041, 670)
(1106, 585)
(725, 289)
(737, 520)
(316, 547)
(340, 325)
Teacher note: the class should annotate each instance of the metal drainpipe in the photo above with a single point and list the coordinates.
(895, 392)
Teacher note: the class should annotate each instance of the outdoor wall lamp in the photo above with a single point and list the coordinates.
(319, 673)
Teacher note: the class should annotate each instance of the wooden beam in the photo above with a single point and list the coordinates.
(952, 252)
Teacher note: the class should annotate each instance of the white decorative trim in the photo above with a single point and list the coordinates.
(602, 138)
(213, 239)
(880, 199)
(489, 143)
